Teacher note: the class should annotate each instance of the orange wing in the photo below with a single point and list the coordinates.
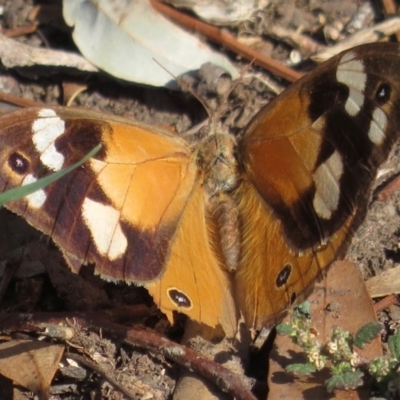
(309, 160)
(131, 209)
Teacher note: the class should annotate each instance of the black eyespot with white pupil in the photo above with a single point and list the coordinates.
(382, 94)
(179, 298)
(18, 163)
(283, 275)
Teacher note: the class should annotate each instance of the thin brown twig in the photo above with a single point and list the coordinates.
(19, 31)
(385, 302)
(94, 367)
(388, 189)
(19, 101)
(184, 356)
(226, 40)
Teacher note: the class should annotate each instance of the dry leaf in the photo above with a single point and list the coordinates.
(131, 41)
(220, 12)
(387, 282)
(31, 364)
(14, 54)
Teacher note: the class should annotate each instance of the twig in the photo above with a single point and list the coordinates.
(388, 189)
(19, 31)
(305, 44)
(19, 101)
(369, 35)
(14, 54)
(385, 302)
(104, 374)
(228, 41)
(188, 358)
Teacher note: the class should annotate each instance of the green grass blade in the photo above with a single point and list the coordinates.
(22, 191)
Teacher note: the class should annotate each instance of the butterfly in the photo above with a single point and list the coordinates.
(228, 226)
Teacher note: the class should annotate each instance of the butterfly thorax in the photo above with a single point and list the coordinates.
(216, 158)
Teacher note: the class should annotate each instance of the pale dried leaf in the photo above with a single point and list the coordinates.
(220, 12)
(14, 54)
(125, 38)
(387, 282)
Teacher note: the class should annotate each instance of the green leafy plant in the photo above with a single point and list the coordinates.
(347, 369)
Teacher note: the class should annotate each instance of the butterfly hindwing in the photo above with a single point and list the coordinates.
(312, 156)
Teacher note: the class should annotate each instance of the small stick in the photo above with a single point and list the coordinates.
(94, 367)
(369, 35)
(223, 378)
(228, 41)
(305, 44)
(19, 101)
(388, 190)
(385, 303)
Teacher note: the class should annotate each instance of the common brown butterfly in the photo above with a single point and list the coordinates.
(226, 226)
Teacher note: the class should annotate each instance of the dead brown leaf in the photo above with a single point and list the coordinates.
(31, 364)
(384, 284)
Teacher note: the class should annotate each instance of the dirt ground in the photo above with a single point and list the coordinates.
(149, 375)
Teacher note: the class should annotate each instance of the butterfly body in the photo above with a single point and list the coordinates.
(227, 226)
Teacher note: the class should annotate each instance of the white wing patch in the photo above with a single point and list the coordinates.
(37, 198)
(354, 102)
(326, 179)
(377, 128)
(103, 223)
(46, 129)
(351, 73)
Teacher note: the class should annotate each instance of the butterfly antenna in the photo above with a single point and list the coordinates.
(185, 86)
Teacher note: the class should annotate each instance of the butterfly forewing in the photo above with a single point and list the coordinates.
(136, 210)
(133, 192)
